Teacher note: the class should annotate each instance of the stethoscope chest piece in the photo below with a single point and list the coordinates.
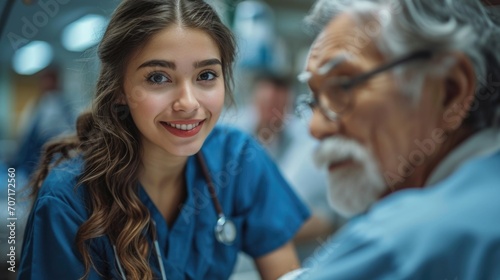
(225, 230)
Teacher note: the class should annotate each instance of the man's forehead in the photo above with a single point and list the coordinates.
(331, 42)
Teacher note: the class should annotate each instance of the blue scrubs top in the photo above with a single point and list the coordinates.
(447, 231)
(252, 192)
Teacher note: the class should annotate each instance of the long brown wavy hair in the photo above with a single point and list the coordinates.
(107, 137)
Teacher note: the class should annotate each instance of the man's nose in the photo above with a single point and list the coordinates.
(186, 100)
(321, 127)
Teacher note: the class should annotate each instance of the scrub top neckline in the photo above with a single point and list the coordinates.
(176, 241)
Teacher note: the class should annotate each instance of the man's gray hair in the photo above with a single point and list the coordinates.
(399, 27)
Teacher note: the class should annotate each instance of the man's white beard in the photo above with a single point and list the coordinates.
(354, 188)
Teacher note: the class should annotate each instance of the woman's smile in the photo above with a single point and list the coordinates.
(186, 128)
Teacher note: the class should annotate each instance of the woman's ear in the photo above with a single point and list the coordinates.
(122, 99)
(459, 91)
(121, 106)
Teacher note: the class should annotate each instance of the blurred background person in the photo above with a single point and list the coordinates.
(44, 117)
(265, 99)
(270, 120)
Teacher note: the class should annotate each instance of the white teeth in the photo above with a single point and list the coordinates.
(184, 126)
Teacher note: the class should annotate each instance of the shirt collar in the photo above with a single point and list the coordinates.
(482, 143)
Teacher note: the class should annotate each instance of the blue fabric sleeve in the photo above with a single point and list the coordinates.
(49, 250)
(274, 213)
(352, 257)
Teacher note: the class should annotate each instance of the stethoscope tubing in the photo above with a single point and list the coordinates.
(211, 187)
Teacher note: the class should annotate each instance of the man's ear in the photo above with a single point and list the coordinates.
(459, 90)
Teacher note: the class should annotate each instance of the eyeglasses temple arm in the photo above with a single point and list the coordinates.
(424, 54)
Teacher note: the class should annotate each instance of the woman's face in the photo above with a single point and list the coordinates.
(174, 87)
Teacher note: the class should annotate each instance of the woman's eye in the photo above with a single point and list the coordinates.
(207, 76)
(157, 78)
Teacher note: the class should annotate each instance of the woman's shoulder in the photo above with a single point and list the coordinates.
(230, 144)
(62, 180)
(228, 148)
(225, 132)
(229, 138)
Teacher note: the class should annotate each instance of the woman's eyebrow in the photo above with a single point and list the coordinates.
(158, 62)
(207, 62)
(171, 64)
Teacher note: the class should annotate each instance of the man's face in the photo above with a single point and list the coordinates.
(375, 146)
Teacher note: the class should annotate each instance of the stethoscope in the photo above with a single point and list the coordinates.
(224, 230)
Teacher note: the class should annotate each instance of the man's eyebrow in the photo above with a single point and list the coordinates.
(326, 67)
(207, 62)
(158, 62)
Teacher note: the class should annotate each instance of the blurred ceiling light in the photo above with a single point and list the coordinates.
(32, 58)
(83, 32)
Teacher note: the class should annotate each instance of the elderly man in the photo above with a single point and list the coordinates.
(406, 103)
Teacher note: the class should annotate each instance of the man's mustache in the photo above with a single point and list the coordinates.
(336, 149)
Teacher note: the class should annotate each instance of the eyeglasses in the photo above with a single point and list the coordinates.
(337, 97)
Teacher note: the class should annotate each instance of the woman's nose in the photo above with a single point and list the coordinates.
(186, 100)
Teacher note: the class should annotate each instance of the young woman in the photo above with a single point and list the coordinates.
(150, 187)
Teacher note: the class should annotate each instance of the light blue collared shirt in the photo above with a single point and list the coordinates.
(448, 230)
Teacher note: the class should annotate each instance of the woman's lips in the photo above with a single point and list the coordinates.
(184, 129)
